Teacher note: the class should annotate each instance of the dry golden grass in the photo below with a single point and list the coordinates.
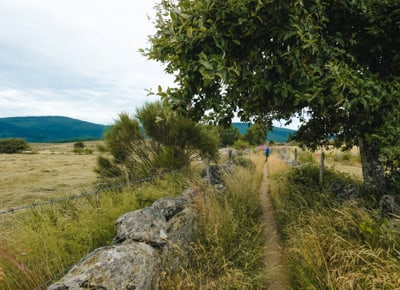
(346, 162)
(52, 171)
(1, 274)
(332, 244)
(229, 251)
(276, 165)
(39, 244)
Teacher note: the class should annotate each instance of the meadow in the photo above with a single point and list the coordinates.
(38, 244)
(328, 243)
(49, 171)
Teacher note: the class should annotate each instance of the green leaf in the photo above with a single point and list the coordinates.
(189, 32)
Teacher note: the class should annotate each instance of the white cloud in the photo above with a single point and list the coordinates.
(75, 58)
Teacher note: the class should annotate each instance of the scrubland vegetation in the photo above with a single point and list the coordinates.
(41, 243)
(329, 243)
(229, 251)
(333, 243)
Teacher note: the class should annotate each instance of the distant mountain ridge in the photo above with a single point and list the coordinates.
(47, 129)
(279, 135)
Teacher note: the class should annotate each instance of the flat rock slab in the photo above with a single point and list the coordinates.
(145, 225)
(131, 265)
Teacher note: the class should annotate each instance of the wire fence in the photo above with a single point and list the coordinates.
(60, 274)
(84, 194)
(99, 189)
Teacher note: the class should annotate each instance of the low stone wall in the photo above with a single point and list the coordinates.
(146, 246)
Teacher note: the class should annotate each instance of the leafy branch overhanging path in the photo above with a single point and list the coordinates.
(274, 261)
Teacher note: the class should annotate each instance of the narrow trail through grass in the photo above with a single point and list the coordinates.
(274, 260)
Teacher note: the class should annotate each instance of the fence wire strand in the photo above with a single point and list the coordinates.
(59, 275)
(78, 196)
(84, 194)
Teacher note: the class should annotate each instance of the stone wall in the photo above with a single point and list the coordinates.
(146, 246)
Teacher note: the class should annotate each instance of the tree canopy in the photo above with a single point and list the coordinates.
(335, 64)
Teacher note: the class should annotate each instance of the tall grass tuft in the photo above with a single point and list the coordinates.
(331, 243)
(229, 251)
(47, 240)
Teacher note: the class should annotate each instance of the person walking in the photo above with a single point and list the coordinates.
(267, 152)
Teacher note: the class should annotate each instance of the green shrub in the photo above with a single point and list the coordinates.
(346, 156)
(163, 141)
(241, 144)
(244, 162)
(80, 148)
(331, 243)
(229, 136)
(256, 134)
(13, 145)
(306, 157)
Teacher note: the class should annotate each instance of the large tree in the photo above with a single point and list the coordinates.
(334, 63)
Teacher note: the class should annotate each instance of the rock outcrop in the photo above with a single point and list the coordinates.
(129, 265)
(146, 245)
(216, 173)
(390, 205)
(344, 191)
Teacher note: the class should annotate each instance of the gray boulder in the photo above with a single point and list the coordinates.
(182, 227)
(216, 172)
(130, 265)
(146, 225)
(149, 241)
(181, 232)
(390, 205)
(228, 152)
(170, 206)
(344, 191)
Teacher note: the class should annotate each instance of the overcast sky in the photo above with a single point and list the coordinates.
(76, 58)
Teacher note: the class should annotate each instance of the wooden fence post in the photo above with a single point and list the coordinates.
(321, 168)
(208, 173)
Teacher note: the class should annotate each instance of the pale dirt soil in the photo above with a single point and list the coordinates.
(274, 259)
(351, 167)
(52, 171)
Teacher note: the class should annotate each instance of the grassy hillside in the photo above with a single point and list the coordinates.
(280, 135)
(49, 129)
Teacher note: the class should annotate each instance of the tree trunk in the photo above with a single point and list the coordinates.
(372, 170)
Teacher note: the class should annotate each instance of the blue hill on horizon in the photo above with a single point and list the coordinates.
(278, 135)
(48, 129)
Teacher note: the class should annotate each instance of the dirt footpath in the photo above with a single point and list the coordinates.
(274, 261)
